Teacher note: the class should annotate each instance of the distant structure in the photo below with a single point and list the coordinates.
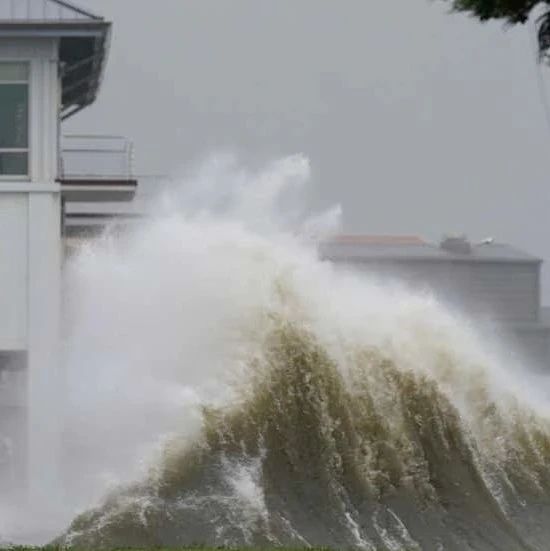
(489, 281)
(52, 59)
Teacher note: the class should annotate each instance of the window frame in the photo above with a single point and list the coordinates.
(28, 176)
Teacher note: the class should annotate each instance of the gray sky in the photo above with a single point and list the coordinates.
(415, 120)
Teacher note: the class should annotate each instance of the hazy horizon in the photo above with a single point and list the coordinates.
(416, 120)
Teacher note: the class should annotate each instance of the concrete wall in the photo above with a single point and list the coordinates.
(532, 341)
(510, 290)
(507, 291)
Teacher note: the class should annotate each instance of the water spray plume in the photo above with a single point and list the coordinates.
(227, 387)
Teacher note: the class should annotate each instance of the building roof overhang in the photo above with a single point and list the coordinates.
(83, 47)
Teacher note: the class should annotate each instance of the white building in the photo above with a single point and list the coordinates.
(52, 58)
(495, 284)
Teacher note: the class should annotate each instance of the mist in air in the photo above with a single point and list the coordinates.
(224, 385)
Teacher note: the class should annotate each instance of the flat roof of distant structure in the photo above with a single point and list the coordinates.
(366, 248)
(378, 240)
(84, 42)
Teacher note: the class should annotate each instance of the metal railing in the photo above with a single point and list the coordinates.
(96, 157)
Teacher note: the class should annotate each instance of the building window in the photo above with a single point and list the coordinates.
(14, 119)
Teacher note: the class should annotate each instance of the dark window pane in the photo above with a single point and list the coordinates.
(14, 116)
(13, 164)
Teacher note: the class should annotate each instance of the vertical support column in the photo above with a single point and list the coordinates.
(13, 344)
(44, 304)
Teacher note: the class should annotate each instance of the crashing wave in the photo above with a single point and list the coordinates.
(367, 454)
(295, 403)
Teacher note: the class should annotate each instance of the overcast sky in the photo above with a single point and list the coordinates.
(415, 120)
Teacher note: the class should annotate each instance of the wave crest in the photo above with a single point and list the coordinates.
(360, 455)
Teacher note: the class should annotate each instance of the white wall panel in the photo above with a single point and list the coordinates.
(13, 270)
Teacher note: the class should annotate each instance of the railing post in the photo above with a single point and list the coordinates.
(88, 155)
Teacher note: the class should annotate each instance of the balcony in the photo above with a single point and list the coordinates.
(97, 169)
